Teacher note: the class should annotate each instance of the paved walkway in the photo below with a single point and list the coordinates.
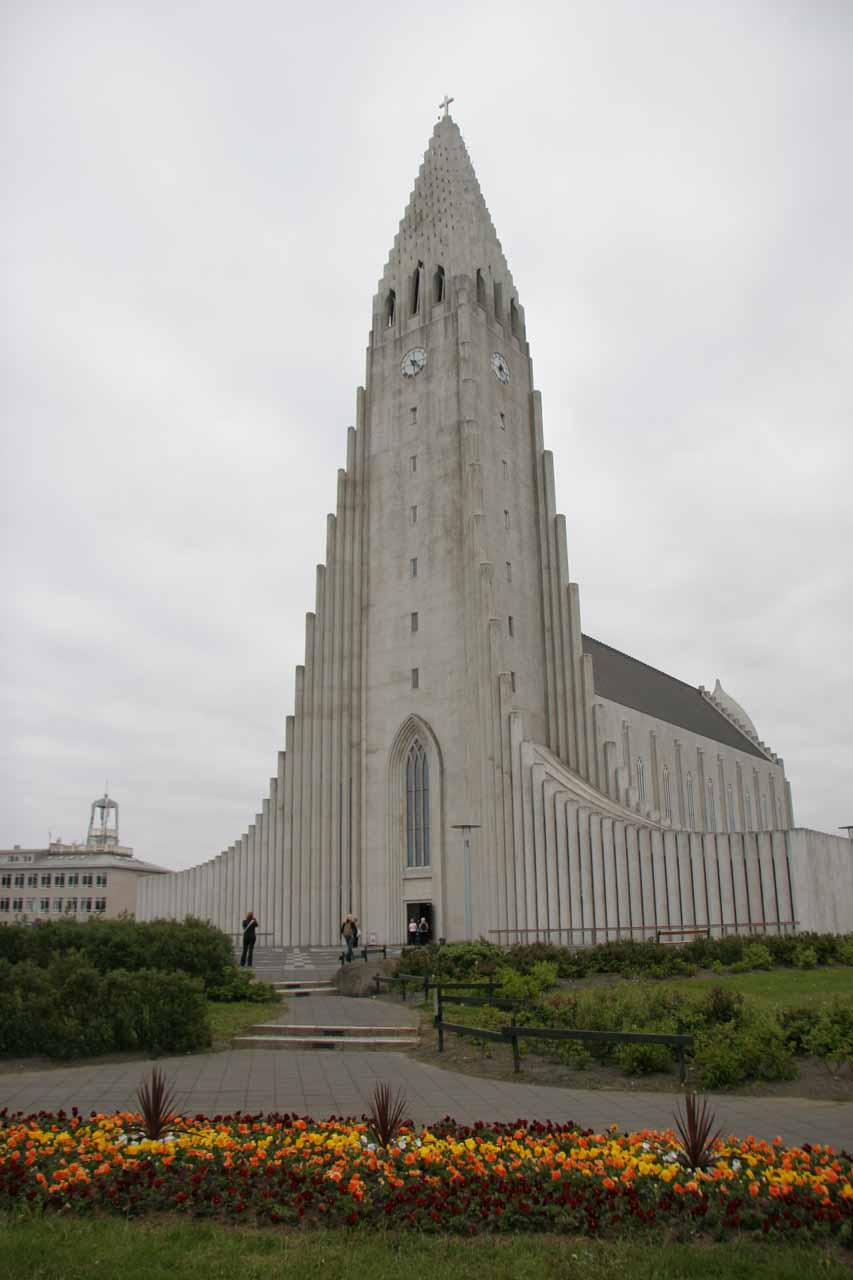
(328, 1082)
(344, 1011)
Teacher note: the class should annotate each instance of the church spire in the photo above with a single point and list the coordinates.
(446, 232)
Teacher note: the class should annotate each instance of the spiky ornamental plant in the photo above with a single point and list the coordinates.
(157, 1104)
(694, 1128)
(385, 1118)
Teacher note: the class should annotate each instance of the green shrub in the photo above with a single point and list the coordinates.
(190, 946)
(755, 956)
(831, 1035)
(844, 951)
(755, 1049)
(526, 987)
(805, 958)
(67, 1009)
(643, 1059)
(238, 984)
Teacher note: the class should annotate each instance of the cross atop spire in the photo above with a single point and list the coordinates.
(446, 104)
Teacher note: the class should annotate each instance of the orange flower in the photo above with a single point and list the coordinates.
(754, 1189)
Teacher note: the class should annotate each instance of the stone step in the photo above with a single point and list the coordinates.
(314, 1032)
(297, 989)
(324, 1042)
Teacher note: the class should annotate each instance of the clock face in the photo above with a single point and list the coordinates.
(500, 368)
(413, 362)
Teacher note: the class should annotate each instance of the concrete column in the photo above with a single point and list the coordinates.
(318, 862)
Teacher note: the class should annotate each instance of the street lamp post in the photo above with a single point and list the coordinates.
(466, 828)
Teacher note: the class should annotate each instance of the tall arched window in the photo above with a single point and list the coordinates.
(514, 319)
(641, 778)
(417, 806)
(415, 298)
(712, 808)
(390, 308)
(481, 289)
(691, 804)
(667, 794)
(438, 285)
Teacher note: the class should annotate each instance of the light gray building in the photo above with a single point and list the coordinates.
(76, 881)
(459, 747)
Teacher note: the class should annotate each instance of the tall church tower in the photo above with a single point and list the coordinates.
(447, 683)
(458, 551)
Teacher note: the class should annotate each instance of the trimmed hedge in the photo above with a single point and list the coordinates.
(632, 959)
(68, 1009)
(191, 946)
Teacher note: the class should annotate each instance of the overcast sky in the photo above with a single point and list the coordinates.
(200, 200)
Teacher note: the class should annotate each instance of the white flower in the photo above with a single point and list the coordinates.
(735, 1166)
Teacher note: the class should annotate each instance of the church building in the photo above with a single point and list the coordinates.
(459, 747)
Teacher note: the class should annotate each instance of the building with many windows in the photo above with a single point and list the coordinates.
(95, 878)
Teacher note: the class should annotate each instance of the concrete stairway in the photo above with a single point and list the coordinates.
(307, 987)
(280, 1036)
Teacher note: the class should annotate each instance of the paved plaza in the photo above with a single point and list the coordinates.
(330, 1082)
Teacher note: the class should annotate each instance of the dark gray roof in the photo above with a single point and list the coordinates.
(623, 679)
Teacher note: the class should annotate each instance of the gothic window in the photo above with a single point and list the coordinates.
(508, 571)
(390, 308)
(691, 804)
(438, 285)
(641, 778)
(765, 817)
(413, 567)
(503, 422)
(510, 622)
(712, 807)
(415, 621)
(505, 467)
(506, 519)
(499, 302)
(413, 515)
(481, 289)
(413, 415)
(416, 678)
(414, 462)
(667, 794)
(512, 680)
(417, 807)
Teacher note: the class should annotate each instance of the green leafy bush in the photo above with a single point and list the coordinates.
(805, 958)
(190, 946)
(831, 1035)
(844, 953)
(238, 984)
(68, 1009)
(755, 956)
(752, 1049)
(644, 1059)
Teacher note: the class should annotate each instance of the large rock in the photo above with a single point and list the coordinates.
(356, 979)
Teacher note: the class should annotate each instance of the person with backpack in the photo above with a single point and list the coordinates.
(349, 933)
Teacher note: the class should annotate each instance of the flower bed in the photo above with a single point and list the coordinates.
(522, 1177)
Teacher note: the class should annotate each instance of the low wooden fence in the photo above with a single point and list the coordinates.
(513, 1034)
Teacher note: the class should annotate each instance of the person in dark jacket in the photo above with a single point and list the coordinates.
(349, 933)
(250, 932)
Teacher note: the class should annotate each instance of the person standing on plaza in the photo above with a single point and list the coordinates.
(423, 931)
(349, 933)
(250, 932)
(413, 932)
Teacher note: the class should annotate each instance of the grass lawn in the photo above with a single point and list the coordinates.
(229, 1020)
(49, 1249)
(783, 986)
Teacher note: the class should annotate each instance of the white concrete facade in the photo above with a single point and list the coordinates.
(447, 680)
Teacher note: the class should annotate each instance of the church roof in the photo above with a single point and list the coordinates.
(632, 683)
(446, 220)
